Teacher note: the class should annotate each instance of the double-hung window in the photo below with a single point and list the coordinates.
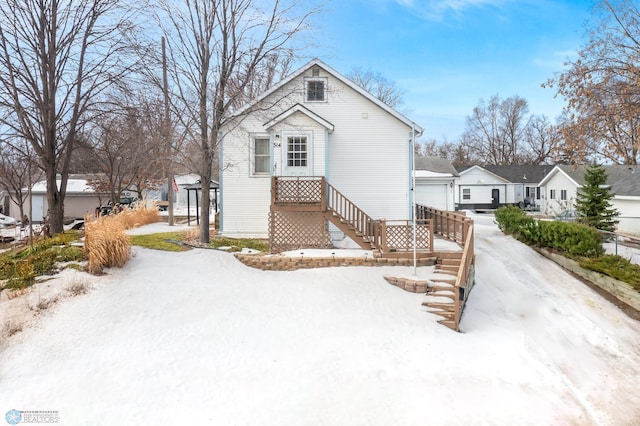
(466, 193)
(563, 194)
(552, 194)
(261, 156)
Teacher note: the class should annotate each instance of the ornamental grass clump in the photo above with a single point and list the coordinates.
(143, 213)
(106, 243)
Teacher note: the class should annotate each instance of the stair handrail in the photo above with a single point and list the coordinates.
(463, 275)
(345, 209)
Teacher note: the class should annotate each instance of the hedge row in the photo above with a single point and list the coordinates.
(569, 238)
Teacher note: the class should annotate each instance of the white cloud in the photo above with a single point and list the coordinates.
(438, 9)
(556, 60)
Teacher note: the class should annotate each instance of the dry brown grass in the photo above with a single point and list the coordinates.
(143, 213)
(190, 234)
(106, 243)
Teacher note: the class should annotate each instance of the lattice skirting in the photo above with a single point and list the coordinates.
(296, 230)
(400, 237)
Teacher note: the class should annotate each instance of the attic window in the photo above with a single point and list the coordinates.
(316, 90)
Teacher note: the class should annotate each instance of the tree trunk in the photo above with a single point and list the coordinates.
(55, 211)
(205, 199)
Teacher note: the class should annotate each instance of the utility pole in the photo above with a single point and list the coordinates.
(167, 133)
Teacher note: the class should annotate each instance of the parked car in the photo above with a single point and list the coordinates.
(7, 221)
(125, 202)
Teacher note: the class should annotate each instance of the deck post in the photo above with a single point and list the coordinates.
(323, 194)
(383, 235)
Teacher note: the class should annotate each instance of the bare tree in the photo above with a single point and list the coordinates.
(222, 53)
(601, 87)
(128, 146)
(495, 129)
(542, 141)
(16, 168)
(378, 85)
(502, 132)
(56, 58)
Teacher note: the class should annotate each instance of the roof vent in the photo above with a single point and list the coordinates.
(315, 72)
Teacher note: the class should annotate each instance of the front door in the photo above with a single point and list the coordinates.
(495, 198)
(297, 155)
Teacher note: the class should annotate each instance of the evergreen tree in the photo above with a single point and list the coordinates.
(592, 202)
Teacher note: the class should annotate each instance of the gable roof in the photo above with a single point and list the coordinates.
(436, 165)
(467, 169)
(301, 109)
(530, 174)
(628, 186)
(343, 79)
(624, 179)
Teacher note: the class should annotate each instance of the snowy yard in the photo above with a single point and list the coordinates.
(198, 338)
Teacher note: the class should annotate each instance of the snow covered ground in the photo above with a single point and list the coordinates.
(198, 338)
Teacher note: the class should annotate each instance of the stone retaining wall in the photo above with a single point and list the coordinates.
(413, 286)
(618, 289)
(288, 263)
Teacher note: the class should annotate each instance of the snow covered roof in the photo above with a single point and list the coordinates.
(74, 187)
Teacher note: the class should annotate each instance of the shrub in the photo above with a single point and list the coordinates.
(570, 238)
(615, 266)
(509, 219)
(21, 268)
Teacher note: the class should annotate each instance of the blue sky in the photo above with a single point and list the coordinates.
(448, 54)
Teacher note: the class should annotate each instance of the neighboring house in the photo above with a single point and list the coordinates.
(435, 182)
(316, 122)
(560, 188)
(80, 199)
(489, 187)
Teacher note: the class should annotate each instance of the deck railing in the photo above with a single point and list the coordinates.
(314, 194)
(450, 225)
(397, 235)
(298, 190)
(466, 277)
(362, 224)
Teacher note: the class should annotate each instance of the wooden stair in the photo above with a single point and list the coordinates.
(441, 301)
(350, 219)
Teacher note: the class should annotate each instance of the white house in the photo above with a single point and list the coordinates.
(492, 186)
(435, 182)
(316, 122)
(561, 185)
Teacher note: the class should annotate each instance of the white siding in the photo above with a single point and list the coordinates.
(480, 183)
(367, 158)
(245, 199)
(559, 182)
(629, 218)
(438, 194)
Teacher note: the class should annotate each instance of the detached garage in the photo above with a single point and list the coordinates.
(435, 182)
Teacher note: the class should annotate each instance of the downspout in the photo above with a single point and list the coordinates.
(413, 196)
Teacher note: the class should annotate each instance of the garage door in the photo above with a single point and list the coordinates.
(432, 195)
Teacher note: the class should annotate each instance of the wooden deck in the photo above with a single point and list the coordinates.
(302, 207)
